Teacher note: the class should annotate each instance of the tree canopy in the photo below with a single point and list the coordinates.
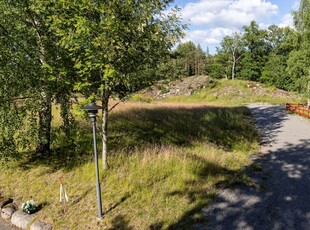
(51, 50)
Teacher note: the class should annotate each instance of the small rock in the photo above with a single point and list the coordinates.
(37, 225)
(21, 219)
(5, 201)
(7, 211)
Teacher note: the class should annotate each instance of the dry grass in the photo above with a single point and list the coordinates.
(166, 162)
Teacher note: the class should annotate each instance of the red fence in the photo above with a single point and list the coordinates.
(300, 109)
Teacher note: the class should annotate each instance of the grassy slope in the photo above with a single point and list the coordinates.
(166, 162)
(238, 92)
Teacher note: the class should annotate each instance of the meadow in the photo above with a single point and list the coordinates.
(167, 160)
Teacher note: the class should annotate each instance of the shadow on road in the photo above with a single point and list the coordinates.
(269, 120)
(282, 199)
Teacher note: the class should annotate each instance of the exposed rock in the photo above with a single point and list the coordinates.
(5, 201)
(37, 225)
(21, 219)
(7, 211)
(184, 87)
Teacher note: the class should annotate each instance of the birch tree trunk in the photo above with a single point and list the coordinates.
(104, 128)
(233, 66)
(45, 111)
(45, 119)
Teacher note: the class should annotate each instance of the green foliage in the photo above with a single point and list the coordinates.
(36, 70)
(251, 66)
(275, 73)
(52, 49)
(257, 49)
(115, 45)
(217, 66)
(186, 60)
(191, 59)
(298, 63)
(275, 70)
(275, 56)
(233, 47)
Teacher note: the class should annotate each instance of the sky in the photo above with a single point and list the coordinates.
(210, 20)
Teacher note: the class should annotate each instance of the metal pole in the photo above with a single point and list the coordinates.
(100, 214)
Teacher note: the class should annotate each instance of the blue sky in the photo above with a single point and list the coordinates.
(210, 20)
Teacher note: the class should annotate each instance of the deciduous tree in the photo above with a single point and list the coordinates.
(234, 47)
(115, 45)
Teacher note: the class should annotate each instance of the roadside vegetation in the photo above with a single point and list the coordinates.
(162, 160)
(166, 162)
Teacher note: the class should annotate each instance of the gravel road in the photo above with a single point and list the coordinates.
(282, 199)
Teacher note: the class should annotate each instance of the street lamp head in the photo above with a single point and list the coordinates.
(92, 109)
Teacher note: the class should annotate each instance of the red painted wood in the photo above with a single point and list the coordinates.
(300, 109)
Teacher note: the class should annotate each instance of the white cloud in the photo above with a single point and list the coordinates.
(228, 13)
(209, 37)
(287, 21)
(211, 20)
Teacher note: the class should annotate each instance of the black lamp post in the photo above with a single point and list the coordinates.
(92, 110)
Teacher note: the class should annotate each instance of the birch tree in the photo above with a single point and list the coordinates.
(115, 45)
(234, 46)
(35, 72)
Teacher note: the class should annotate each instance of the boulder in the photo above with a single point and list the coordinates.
(21, 219)
(37, 225)
(5, 201)
(7, 211)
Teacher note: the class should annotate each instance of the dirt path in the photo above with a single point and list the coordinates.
(283, 199)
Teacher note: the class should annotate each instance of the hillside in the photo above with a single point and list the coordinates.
(204, 89)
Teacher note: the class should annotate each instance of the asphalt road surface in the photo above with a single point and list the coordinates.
(282, 198)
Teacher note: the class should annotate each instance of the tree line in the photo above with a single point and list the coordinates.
(276, 56)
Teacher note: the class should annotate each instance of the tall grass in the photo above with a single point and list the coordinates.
(166, 162)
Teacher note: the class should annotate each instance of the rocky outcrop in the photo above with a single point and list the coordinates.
(182, 87)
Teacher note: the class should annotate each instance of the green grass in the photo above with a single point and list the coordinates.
(236, 92)
(166, 162)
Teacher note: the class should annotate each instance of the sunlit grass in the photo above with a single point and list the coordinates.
(166, 161)
(232, 93)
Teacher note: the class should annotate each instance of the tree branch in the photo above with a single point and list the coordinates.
(15, 99)
(116, 104)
